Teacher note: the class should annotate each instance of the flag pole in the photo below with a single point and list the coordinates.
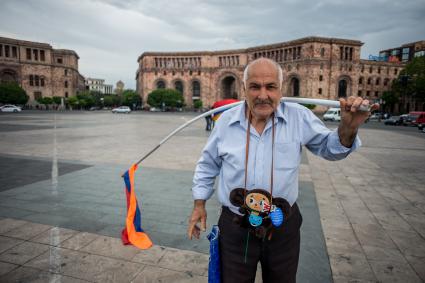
(322, 102)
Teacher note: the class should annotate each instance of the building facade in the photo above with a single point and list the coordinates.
(314, 67)
(39, 69)
(404, 53)
(98, 85)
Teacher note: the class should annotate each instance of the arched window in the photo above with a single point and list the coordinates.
(295, 87)
(360, 80)
(369, 81)
(196, 89)
(160, 84)
(31, 80)
(66, 84)
(322, 52)
(342, 88)
(386, 81)
(378, 81)
(178, 85)
(37, 80)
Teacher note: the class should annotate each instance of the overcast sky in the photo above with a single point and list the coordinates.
(109, 35)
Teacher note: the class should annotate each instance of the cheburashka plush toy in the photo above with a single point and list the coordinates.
(260, 211)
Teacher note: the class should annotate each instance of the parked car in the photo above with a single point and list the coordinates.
(394, 120)
(122, 109)
(333, 114)
(417, 118)
(94, 108)
(10, 108)
(375, 116)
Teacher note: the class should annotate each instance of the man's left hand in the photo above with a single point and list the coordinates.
(352, 117)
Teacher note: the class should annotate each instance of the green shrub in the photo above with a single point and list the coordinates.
(197, 104)
(12, 93)
(169, 97)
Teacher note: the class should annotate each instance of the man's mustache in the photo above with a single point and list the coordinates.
(263, 101)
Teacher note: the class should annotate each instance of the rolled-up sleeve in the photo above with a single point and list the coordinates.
(324, 142)
(207, 168)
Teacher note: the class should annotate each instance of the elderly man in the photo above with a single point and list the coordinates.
(255, 149)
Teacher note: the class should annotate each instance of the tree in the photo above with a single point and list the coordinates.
(12, 93)
(85, 99)
(411, 80)
(46, 101)
(130, 98)
(73, 102)
(57, 100)
(168, 97)
(390, 98)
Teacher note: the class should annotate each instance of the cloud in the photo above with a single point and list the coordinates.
(109, 35)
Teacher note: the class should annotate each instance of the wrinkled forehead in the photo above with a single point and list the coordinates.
(263, 71)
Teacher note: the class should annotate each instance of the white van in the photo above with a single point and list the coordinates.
(333, 114)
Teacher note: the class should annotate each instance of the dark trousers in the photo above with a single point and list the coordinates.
(240, 254)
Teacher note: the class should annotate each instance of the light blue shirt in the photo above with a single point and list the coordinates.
(224, 153)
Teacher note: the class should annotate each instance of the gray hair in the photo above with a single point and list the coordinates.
(278, 67)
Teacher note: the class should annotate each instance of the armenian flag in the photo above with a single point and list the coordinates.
(133, 233)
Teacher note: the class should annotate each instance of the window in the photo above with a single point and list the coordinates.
(370, 69)
(359, 93)
(367, 93)
(379, 70)
(395, 52)
(31, 80)
(28, 54)
(199, 73)
(320, 78)
(419, 53)
(37, 80)
(322, 52)
(14, 52)
(41, 81)
(66, 72)
(160, 84)
(37, 95)
(360, 80)
(164, 73)
(376, 93)
(1, 50)
(369, 81)
(320, 90)
(35, 53)
(321, 66)
(66, 84)
(395, 71)
(378, 81)
(66, 94)
(190, 73)
(42, 56)
(6, 51)
(386, 81)
(196, 89)
(59, 60)
(405, 57)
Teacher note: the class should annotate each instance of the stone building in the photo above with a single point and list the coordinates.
(98, 85)
(314, 67)
(119, 87)
(39, 69)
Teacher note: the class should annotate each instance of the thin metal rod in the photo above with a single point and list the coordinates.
(322, 102)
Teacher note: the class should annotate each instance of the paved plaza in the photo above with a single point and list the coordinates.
(62, 204)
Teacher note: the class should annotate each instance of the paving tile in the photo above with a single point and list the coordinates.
(418, 265)
(157, 274)
(88, 267)
(31, 275)
(186, 261)
(27, 231)
(7, 224)
(342, 247)
(78, 241)
(351, 266)
(409, 243)
(150, 256)
(7, 243)
(390, 220)
(54, 236)
(23, 252)
(341, 279)
(373, 235)
(6, 267)
(386, 271)
(380, 254)
(111, 247)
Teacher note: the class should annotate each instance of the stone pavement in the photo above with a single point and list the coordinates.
(363, 216)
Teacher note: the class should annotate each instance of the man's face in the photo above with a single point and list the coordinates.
(262, 89)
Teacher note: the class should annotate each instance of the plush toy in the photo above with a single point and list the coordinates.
(260, 211)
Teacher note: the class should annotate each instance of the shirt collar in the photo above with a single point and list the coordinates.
(280, 114)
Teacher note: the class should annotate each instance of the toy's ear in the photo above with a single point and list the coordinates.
(284, 205)
(237, 197)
